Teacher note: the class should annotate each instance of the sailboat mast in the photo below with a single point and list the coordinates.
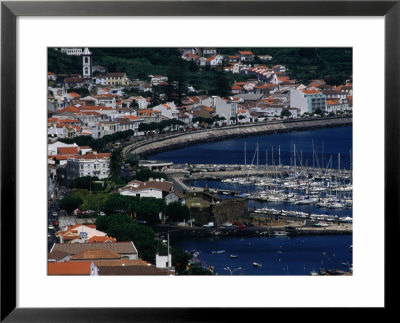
(257, 155)
(291, 159)
(313, 153)
(245, 163)
(322, 157)
(279, 153)
(273, 163)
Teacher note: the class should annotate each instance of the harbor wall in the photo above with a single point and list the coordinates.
(216, 210)
(176, 141)
(175, 231)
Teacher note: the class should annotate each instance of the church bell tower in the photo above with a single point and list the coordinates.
(86, 64)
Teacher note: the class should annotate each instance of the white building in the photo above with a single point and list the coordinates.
(52, 149)
(141, 101)
(308, 101)
(92, 164)
(225, 107)
(215, 60)
(72, 51)
(158, 188)
(168, 110)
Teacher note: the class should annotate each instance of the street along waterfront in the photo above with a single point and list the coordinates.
(328, 148)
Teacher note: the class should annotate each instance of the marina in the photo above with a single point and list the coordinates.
(298, 190)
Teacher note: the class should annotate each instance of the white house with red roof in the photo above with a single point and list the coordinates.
(308, 101)
(243, 116)
(52, 149)
(215, 60)
(246, 56)
(158, 188)
(168, 110)
(80, 233)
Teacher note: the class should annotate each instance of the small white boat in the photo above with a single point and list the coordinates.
(217, 252)
(278, 233)
(256, 264)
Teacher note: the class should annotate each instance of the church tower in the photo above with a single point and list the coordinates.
(86, 64)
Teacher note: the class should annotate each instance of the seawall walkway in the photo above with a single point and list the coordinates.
(174, 141)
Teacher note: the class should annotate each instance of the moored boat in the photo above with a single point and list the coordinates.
(217, 252)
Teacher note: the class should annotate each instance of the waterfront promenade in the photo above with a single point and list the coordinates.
(182, 139)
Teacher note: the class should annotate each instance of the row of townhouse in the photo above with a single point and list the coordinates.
(70, 81)
(319, 96)
(114, 79)
(212, 58)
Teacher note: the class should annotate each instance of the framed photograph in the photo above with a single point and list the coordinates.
(360, 39)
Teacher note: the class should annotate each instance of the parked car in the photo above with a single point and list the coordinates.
(208, 225)
(54, 213)
(56, 223)
(227, 224)
(51, 227)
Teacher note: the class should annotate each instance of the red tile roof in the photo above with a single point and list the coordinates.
(74, 95)
(67, 150)
(69, 268)
(101, 239)
(91, 254)
(70, 108)
(99, 108)
(245, 53)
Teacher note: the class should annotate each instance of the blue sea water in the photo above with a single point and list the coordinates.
(325, 144)
(277, 255)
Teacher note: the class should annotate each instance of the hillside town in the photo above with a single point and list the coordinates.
(94, 115)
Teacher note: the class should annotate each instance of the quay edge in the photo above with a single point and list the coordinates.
(175, 231)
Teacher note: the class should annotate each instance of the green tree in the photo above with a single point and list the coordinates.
(144, 174)
(116, 161)
(285, 113)
(148, 209)
(115, 202)
(197, 270)
(223, 86)
(124, 228)
(176, 211)
(86, 182)
(132, 159)
(70, 203)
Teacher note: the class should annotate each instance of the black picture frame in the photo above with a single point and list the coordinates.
(10, 10)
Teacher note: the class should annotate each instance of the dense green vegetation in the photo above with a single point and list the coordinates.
(334, 65)
(60, 63)
(70, 203)
(303, 64)
(101, 145)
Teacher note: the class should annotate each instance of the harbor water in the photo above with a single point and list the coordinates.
(317, 148)
(300, 255)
